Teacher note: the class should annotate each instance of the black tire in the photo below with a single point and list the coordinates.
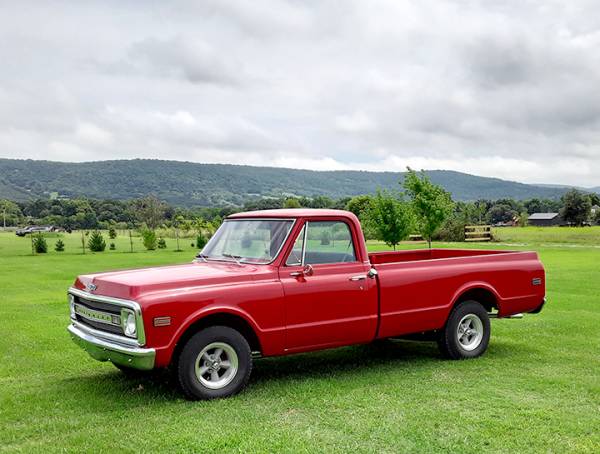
(222, 336)
(468, 312)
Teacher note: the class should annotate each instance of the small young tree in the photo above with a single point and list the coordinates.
(39, 244)
(59, 246)
(149, 239)
(389, 217)
(96, 242)
(161, 244)
(177, 222)
(430, 202)
(112, 233)
(201, 241)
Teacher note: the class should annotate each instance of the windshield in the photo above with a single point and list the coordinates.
(247, 240)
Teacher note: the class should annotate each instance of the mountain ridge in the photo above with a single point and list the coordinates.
(199, 184)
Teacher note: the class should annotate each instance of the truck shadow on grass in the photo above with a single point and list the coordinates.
(392, 356)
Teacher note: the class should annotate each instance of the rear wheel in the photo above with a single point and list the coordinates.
(215, 362)
(467, 331)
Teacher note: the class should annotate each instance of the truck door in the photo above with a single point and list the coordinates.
(329, 300)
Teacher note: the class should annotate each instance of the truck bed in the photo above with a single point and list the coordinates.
(419, 287)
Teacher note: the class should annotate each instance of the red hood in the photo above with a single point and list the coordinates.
(131, 284)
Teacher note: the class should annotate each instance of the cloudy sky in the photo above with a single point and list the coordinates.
(506, 88)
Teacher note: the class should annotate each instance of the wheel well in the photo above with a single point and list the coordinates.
(221, 319)
(481, 295)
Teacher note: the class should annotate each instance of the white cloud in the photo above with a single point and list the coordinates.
(503, 89)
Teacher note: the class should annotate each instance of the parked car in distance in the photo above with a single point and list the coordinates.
(37, 229)
(278, 282)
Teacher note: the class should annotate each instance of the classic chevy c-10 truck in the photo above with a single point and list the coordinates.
(278, 282)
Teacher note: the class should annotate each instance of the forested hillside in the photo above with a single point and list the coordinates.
(192, 184)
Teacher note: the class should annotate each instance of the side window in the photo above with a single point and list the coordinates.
(328, 242)
(295, 257)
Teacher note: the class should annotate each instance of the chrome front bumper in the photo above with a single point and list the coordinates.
(105, 350)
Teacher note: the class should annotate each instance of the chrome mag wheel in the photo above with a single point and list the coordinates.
(216, 365)
(469, 332)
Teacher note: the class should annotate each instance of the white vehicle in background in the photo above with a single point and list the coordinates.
(37, 229)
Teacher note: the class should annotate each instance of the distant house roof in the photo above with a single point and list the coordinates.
(542, 216)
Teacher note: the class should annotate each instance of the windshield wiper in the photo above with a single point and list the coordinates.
(234, 257)
(203, 257)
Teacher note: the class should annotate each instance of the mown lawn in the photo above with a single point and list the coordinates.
(537, 388)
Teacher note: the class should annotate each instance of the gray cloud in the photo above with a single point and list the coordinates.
(507, 89)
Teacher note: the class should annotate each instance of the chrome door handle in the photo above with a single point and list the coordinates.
(361, 277)
(296, 273)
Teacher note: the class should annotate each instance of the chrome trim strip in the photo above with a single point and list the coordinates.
(123, 340)
(101, 350)
(134, 306)
(105, 318)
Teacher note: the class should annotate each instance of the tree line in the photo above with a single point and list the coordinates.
(417, 206)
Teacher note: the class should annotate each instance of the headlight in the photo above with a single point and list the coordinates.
(71, 300)
(129, 323)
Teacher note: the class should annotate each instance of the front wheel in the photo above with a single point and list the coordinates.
(215, 362)
(467, 331)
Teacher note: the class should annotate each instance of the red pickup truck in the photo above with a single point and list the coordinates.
(278, 282)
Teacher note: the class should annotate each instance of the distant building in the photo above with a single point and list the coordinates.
(595, 209)
(544, 219)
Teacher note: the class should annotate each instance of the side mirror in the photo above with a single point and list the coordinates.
(308, 270)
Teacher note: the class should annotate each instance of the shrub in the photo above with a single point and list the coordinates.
(162, 244)
(59, 246)
(96, 242)
(112, 233)
(192, 244)
(149, 239)
(200, 241)
(112, 246)
(39, 244)
(325, 237)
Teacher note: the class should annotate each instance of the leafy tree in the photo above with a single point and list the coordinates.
(292, 202)
(389, 217)
(59, 246)
(597, 217)
(149, 211)
(112, 233)
(39, 244)
(523, 219)
(325, 237)
(576, 207)
(96, 242)
(161, 244)
(431, 203)
(359, 204)
(149, 239)
(501, 213)
(10, 213)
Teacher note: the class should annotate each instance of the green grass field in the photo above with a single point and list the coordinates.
(536, 390)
